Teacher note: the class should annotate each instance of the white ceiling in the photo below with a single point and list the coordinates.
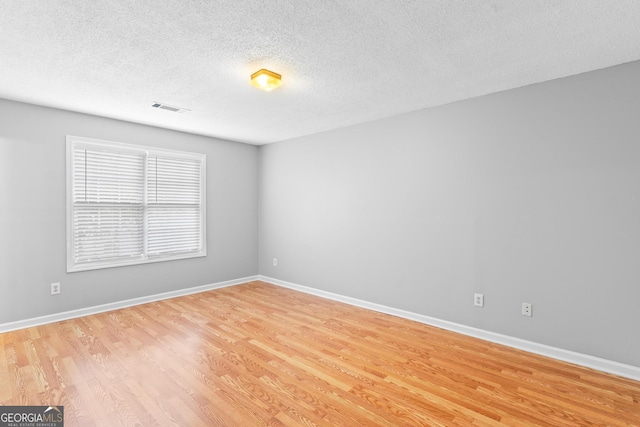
(342, 61)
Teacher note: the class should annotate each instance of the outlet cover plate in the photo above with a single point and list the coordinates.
(478, 300)
(55, 288)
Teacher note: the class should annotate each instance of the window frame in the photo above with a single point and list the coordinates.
(148, 151)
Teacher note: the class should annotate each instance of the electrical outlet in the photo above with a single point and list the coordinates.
(55, 288)
(275, 262)
(527, 309)
(478, 300)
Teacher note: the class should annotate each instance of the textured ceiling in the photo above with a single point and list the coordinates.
(343, 62)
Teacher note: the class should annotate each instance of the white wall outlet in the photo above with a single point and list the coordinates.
(55, 288)
(478, 300)
(527, 309)
(275, 262)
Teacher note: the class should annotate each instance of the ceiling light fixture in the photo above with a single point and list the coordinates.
(266, 80)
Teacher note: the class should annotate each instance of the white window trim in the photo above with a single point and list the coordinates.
(70, 141)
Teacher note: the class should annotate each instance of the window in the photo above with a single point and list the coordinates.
(130, 204)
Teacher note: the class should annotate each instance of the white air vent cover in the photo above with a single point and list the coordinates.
(169, 108)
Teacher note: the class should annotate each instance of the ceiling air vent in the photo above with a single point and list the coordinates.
(169, 108)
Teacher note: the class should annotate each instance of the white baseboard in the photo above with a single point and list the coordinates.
(612, 367)
(621, 369)
(27, 323)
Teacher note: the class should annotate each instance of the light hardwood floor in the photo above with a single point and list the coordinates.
(257, 354)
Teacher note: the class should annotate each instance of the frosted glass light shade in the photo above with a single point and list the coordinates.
(266, 80)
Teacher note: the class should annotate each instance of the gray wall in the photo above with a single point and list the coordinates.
(529, 195)
(32, 214)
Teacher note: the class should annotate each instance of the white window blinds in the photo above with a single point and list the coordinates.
(173, 210)
(131, 204)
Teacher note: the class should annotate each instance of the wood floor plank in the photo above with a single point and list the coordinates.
(261, 355)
